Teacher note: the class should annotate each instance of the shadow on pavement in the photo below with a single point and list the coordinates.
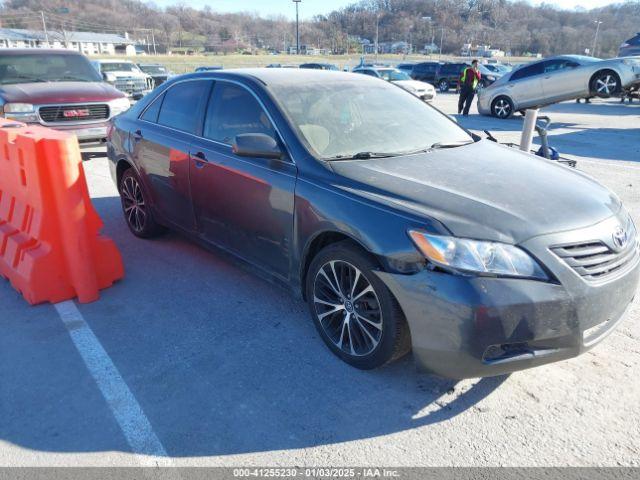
(220, 361)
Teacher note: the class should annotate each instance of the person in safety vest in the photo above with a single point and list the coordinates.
(468, 84)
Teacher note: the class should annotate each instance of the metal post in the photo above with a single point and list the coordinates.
(441, 40)
(595, 38)
(297, 2)
(377, 33)
(153, 39)
(530, 119)
(44, 27)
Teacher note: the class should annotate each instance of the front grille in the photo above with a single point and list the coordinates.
(597, 261)
(73, 113)
(132, 86)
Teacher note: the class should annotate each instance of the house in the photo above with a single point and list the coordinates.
(88, 43)
(484, 51)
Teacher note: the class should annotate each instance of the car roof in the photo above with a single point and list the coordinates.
(38, 51)
(112, 60)
(280, 76)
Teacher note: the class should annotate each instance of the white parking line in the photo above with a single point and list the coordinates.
(133, 422)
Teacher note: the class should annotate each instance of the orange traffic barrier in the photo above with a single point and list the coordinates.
(50, 246)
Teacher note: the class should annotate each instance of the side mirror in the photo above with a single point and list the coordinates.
(257, 145)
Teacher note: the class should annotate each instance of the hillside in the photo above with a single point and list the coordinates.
(512, 26)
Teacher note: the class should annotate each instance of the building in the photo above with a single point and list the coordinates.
(484, 51)
(88, 43)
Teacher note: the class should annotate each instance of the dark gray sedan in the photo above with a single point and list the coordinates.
(402, 231)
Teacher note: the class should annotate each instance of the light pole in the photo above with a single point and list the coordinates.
(297, 2)
(377, 33)
(430, 22)
(595, 38)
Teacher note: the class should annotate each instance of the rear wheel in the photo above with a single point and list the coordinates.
(443, 85)
(135, 207)
(353, 310)
(605, 84)
(502, 107)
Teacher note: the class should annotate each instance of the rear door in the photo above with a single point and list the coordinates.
(525, 86)
(563, 79)
(244, 205)
(161, 148)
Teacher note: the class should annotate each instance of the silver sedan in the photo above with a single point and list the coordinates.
(557, 79)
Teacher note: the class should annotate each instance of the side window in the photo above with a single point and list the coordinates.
(555, 65)
(371, 73)
(232, 111)
(528, 71)
(181, 104)
(152, 111)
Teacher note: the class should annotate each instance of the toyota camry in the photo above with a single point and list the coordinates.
(400, 229)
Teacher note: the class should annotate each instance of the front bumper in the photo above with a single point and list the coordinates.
(470, 326)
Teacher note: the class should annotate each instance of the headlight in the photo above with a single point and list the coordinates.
(631, 62)
(18, 108)
(491, 78)
(485, 258)
(110, 77)
(409, 88)
(119, 105)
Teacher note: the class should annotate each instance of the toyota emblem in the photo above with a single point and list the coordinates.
(620, 238)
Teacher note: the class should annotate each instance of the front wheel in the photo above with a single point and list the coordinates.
(502, 107)
(605, 84)
(355, 313)
(443, 86)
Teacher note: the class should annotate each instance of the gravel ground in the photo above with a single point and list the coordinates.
(229, 370)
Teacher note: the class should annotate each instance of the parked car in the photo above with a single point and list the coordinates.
(557, 79)
(59, 89)
(488, 75)
(211, 68)
(448, 75)
(319, 66)
(422, 90)
(631, 47)
(406, 68)
(125, 76)
(373, 206)
(280, 65)
(426, 72)
(159, 73)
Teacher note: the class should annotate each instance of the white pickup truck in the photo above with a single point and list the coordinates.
(125, 76)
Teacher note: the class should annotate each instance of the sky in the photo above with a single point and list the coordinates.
(309, 8)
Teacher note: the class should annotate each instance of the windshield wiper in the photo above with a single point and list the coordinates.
(439, 145)
(27, 78)
(72, 79)
(364, 156)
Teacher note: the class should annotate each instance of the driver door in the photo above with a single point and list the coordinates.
(242, 204)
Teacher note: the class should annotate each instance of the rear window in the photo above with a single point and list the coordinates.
(634, 40)
(181, 104)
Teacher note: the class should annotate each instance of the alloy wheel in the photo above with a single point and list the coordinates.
(502, 108)
(443, 86)
(606, 84)
(133, 204)
(347, 308)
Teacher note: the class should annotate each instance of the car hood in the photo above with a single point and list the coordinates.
(413, 84)
(58, 92)
(483, 190)
(125, 74)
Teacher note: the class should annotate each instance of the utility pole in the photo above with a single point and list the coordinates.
(377, 33)
(153, 39)
(595, 38)
(44, 27)
(441, 40)
(297, 2)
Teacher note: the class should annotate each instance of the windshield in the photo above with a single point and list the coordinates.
(46, 68)
(391, 75)
(118, 67)
(345, 117)
(154, 69)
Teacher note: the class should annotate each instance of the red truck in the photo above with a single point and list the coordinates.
(58, 89)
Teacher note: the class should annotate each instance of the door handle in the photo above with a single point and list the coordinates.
(137, 135)
(200, 159)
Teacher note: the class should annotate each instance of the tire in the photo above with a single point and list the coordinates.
(135, 207)
(502, 107)
(353, 310)
(443, 85)
(605, 84)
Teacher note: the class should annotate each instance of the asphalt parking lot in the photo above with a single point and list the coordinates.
(191, 360)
